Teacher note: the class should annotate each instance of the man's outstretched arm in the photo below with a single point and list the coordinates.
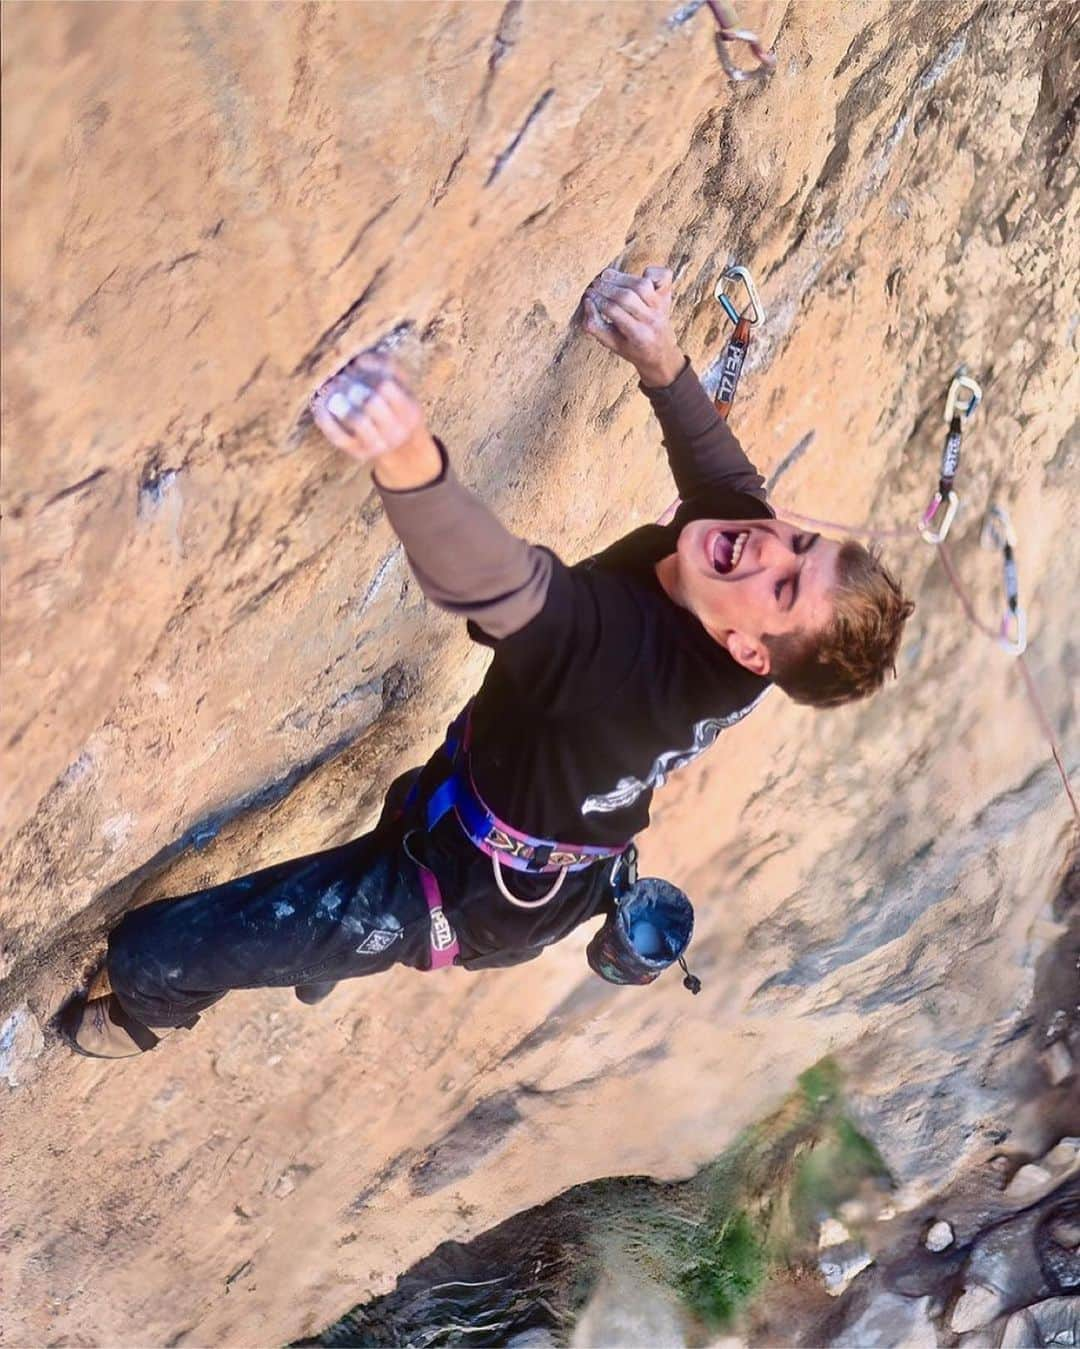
(465, 560)
(631, 315)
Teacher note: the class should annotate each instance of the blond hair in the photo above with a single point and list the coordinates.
(851, 656)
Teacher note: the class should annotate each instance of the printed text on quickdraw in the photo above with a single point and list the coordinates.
(734, 355)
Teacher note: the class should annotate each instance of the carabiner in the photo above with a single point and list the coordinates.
(997, 533)
(941, 533)
(962, 383)
(727, 22)
(740, 274)
(1013, 635)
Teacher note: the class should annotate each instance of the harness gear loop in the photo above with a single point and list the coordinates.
(935, 531)
(525, 903)
(728, 30)
(997, 533)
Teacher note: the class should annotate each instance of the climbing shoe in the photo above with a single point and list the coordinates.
(313, 993)
(99, 1028)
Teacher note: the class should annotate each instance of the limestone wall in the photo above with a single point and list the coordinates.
(214, 657)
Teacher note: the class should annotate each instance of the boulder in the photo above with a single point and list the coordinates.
(976, 1307)
(1058, 1063)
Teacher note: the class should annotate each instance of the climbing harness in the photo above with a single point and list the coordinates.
(442, 939)
(665, 910)
(955, 416)
(734, 354)
(501, 842)
(728, 31)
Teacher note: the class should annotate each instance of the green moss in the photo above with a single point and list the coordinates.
(727, 1266)
(822, 1084)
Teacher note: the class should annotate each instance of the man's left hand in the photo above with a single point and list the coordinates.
(631, 316)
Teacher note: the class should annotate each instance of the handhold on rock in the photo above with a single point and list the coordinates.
(939, 1236)
(1055, 1321)
(1036, 1179)
(1064, 1156)
(976, 1306)
(1020, 1332)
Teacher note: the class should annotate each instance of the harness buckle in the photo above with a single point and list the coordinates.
(740, 274)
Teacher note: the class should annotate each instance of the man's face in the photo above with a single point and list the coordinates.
(744, 579)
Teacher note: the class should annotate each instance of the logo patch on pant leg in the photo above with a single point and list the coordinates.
(376, 941)
(442, 934)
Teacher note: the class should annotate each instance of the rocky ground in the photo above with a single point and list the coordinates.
(214, 657)
(992, 1262)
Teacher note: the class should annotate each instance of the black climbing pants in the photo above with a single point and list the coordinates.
(348, 911)
(352, 910)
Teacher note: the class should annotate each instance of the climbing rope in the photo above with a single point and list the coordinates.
(728, 31)
(1016, 646)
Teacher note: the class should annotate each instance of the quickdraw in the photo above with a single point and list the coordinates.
(734, 354)
(936, 531)
(997, 533)
(738, 345)
(728, 31)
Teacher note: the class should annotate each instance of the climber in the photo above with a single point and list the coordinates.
(606, 676)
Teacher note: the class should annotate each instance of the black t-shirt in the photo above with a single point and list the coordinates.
(587, 708)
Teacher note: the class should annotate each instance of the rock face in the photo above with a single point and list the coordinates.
(214, 657)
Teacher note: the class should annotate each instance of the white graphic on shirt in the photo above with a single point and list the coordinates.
(627, 790)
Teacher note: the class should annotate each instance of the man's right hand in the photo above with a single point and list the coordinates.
(366, 411)
(631, 316)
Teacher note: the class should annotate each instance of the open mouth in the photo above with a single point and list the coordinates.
(726, 548)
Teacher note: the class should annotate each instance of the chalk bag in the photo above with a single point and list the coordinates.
(649, 930)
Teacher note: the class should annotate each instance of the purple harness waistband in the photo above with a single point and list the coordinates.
(491, 835)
